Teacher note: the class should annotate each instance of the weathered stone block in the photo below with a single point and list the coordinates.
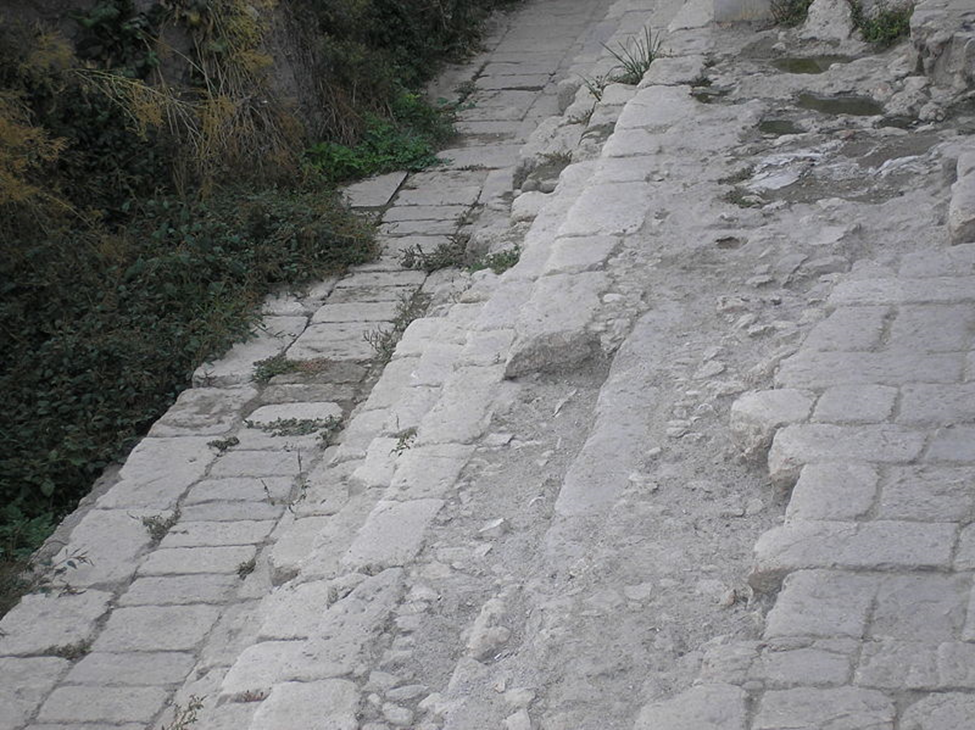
(20, 697)
(705, 707)
(822, 603)
(225, 559)
(393, 534)
(833, 491)
(132, 668)
(927, 493)
(329, 705)
(756, 416)
(156, 628)
(849, 708)
(109, 705)
(856, 404)
(45, 620)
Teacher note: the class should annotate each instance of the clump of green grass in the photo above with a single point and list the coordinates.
(885, 25)
(498, 262)
(384, 339)
(452, 253)
(159, 525)
(634, 59)
(790, 13)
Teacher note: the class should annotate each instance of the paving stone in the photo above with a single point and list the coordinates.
(658, 107)
(301, 704)
(293, 545)
(356, 312)
(308, 392)
(849, 329)
(244, 464)
(158, 471)
(923, 607)
(499, 312)
(420, 228)
(108, 561)
(35, 677)
(947, 711)
(952, 444)
(797, 445)
(822, 603)
(295, 611)
(551, 328)
(878, 545)
(409, 411)
(927, 493)
(956, 665)
(185, 534)
(611, 210)
(486, 348)
(449, 194)
(131, 669)
(379, 465)
(355, 439)
(809, 369)
(937, 405)
(374, 192)
(898, 665)
(335, 340)
(392, 535)
(172, 590)
(933, 328)
(319, 410)
(236, 367)
(957, 260)
(435, 365)
(464, 410)
(674, 71)
(418, 336)
(705, 707)
(961, 210)
(425, 213)
(833, 492)
(199, 411)
(932, 290)
(856, 404)
(109, 704)
(423, 472)
(842, 708)
(230, 636)
(784, 669)
(231, 511)
(389, 389)
(151, 628)
(201, 559)
(45, 620)
(575, 255)
(965, 556)
(377, 293)
(756, 416)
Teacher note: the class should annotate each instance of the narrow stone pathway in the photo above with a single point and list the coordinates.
(701, 460)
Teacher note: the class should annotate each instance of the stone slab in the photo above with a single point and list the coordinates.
(132, 669)
(156, 628)
(236, 367)
(705, 707)
(35, 677)
(374, 192)
(42, 621)
(328, 705)
(392, 534)
(80, 704)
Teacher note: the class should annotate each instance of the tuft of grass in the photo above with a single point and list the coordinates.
(267, 368)
(634, 59)
(71, 652)
(404, 440)
(384, 340)
(790, 13)
(298, 426)
(498, 262)
(159, 526)
(738, 176)
(221, 445)
(246, 568)
(453, 253)
(184, 717)
(885, 25)
(741, 198)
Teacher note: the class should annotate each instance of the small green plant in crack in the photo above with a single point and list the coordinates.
(267, 368)
(742, 198)
(452, 253)
(596, 86)
(384, 339)
(634, 59)
(71, 652)
(221, 445)
(465, 90)
(296, 426)
(48, 576)
(404, 440)
(498, 262)
(738, 176)
(885, 25)
(185, 717)
(159, 525)
(246, 568)
(790, 13)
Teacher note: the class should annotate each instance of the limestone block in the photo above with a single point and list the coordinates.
(35, 677)
(328, 705)
(527, 206)
(808, 369)
(243, 489)
(446, 192)
(953, 444)
(961, 209)
(242, 464)
(110, 705)
(797, 445)
(828, 20)
(464, 410)
(576, 255)
(424, 472)
(156, 628)
(294, 611)
(109, 561)
(132, 668)
(898, 665)
(45, 620)
(355, 312)
(204, 411)
(552, 327)
(674, 71)
(941, 711)
(841, 707)
(856, 404)
(704, 707)
(959, 260)
(186, 534)
(336, 341)
(833, 491)
(616, 209)
(225, 559)
(393, 534)
(783, 669)
(425, 213)
(927, 493)
(158, 471)
(171, 590)
(849, 328)
(929, 404)
(929, 290)
(236, 367)
(877, 545)
(756, 416)
(920, 608)
(374, 192)
(822, 603)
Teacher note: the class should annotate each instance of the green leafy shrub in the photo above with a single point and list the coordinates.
(885, 25)
(790, 13)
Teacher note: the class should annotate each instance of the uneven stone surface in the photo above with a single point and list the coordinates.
(702, 458)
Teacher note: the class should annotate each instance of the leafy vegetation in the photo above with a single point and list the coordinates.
(790, 13)
(149, 201)
(885, 25)
(634, 59)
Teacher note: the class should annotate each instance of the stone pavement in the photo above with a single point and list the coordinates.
(540, 513)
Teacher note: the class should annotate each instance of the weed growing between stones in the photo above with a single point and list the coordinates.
(246, 568)
(159, 526)
(790, 13)
(71, 652)
(404, 440)
(384, 340)
(885, 25)
(221, 445)
(279, 427)
(498, 262)
(634, 59)
(185, 717)
(453, 253)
